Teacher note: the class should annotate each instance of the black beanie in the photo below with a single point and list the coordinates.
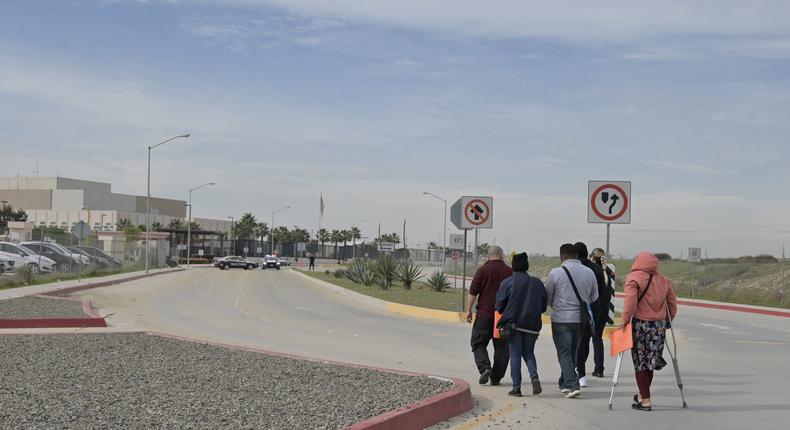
(520, 262)
(581, 251)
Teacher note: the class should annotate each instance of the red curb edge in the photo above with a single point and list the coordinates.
(68, 290)
(417, 416)
(732, 308)
(87, 306)
(52, 323)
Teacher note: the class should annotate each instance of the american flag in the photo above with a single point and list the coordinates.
(322, 205)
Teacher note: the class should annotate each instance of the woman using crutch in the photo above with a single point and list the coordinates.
(649, 302)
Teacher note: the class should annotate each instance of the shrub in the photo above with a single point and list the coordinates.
(340, 273)
(25, 273)
(663, 256)
(361, 272)
(386, 269)
(409, 273)
(439, 282)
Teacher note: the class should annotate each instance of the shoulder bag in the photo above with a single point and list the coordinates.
(588, 325)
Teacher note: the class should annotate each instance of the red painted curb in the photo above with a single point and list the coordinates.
(732, 308)
(52, 323)
(68, 290)
(87, 307)
(417, 416)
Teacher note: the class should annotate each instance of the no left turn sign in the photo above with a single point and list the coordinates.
(609, 202)
(477, 212)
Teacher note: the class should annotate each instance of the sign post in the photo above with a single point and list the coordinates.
(609, 202)
(80, 231)
(694, 256)
(471, 213)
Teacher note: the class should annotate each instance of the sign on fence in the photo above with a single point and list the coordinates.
(456, 241)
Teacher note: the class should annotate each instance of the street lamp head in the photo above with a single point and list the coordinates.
(212, 183)
(184, 135)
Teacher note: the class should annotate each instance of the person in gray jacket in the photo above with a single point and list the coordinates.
(566, 313)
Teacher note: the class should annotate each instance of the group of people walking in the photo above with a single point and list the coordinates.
(511, 303)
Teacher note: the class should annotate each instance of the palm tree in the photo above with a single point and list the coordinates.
(262, 230)
(176, 224)
(124, 223)
(336, 236)
(433, 245)
(245, 227)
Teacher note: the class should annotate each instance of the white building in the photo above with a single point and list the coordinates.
(62, 202)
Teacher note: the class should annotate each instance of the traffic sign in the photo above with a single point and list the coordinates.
(387, 246)
(609, 202)
(456, 256)
(471, 212)
(200, 252)
(456, 241)
(81, 230)
(246, 249)
(695, 255)
(259, 250)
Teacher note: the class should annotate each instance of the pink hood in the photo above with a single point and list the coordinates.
(658, 297)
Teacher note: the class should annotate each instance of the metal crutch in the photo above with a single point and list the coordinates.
(616, 377)
(673, 352)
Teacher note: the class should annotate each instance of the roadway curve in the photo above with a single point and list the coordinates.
(734, 364)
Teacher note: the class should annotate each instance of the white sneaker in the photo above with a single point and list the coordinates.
(565, 391)
(583, 382)
(573, 394)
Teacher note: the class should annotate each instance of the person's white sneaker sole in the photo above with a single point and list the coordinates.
(583, 382)
(565, 391)
(573, 394)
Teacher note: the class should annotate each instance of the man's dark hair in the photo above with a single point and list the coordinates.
(567, 251)
(581, 250)
(520, 262)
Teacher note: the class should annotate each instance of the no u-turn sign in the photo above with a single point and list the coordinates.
(609, 202)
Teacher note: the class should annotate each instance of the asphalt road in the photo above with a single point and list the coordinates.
(734, 365)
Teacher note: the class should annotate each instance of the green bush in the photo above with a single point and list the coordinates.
(25, 273)
(339, 273)
(361, 272)
(386, 269)
(409, 273)
(439, 282)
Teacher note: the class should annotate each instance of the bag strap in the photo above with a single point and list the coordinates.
(649, 283)
(573, 284)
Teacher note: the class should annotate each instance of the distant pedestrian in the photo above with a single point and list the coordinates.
(565, 286)
(311, 258)
(650, 303)
(599, 258)
(484, 288)
(522, 300)
(600, 310)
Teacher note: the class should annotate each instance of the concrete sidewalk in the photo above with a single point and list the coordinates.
(12, 293)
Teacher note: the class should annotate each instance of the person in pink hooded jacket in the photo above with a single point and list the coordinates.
(650, 303)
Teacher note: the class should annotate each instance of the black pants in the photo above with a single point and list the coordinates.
(584, 350)
(482, 334)
(312, 265)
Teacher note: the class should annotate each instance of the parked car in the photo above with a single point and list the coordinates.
(235, 261)
(96, 252)
(65, 260)
(285, 261)
(270, 262)
(29, 257)
(9, 262)
(100, 262)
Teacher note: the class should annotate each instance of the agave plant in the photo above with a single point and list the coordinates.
(409, 273)
(386, 270)
(361, 272)
(439, 282)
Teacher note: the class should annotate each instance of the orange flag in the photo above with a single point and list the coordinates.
(622, 340)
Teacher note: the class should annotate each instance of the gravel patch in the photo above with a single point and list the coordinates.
(140, 381)
(39, 307)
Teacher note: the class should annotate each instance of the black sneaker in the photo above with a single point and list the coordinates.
(536, 388)
(598, 374)
(485, 376)
(494, 382)
(514, 393)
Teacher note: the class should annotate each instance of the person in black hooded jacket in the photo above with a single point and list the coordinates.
(521, 300)
(600, 316)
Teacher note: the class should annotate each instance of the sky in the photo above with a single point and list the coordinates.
(372, 103)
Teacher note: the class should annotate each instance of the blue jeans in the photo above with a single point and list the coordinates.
(566, 339)
(522, 345)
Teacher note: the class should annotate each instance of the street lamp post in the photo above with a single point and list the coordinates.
(232, 224)
(354, 238)
(148, 198)
(189, 222)
(272, 229)
(444, 236)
